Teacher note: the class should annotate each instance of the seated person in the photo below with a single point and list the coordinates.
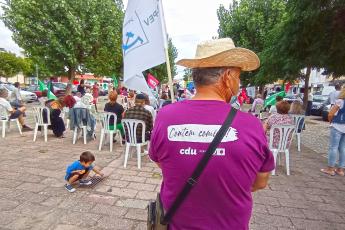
(297, 109)
(57, 123)
(280, 118)
(14, 113)
(140, 113)
(113, 107)
(273, 108)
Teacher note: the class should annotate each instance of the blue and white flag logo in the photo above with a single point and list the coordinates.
(143, 40)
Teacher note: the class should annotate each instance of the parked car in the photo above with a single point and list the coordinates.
(319, 102)
(292, 97)
(60, 89)
(27, 97)
(325, 112)
(36, 90)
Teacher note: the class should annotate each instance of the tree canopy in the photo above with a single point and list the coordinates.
(68, 35)
(248, 23)
(288, 36)
(11, 65)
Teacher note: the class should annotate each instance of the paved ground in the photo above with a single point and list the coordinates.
(32, 194)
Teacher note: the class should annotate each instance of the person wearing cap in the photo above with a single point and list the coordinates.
(139, 112)
(241, 164)
(13, 112)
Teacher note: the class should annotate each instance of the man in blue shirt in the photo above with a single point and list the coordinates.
(79, 171)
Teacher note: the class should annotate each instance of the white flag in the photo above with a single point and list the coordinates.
(143, 41)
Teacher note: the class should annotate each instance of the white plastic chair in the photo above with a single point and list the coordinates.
(130, 126)
(285, 138)
(299, 123)
(5, 120)
(64, 116)
(81, 126)
(105, 130)
(42, 119)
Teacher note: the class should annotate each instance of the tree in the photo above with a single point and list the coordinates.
(160, 72)
(187, 74)
(311, 36)
(10, 64)
(249, 23)
(68, 35)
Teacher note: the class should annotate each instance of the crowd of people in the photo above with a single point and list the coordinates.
(242, 161)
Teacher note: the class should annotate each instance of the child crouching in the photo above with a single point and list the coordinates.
(79, 171)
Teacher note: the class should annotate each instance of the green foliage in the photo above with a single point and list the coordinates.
(73, 35)
(10, 65)
(249, 23)
(187, 74)
(160, 72)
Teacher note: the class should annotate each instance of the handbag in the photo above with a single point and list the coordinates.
(156, 218)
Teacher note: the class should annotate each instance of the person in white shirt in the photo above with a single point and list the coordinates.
(15, 97)
(148, 107)
(333, 96)
(13, 113)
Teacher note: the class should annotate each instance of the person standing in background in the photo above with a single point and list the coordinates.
(81, 87)
(310, 102)
(95, 94)
(333, 96)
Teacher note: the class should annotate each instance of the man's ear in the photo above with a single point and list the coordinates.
(225, 78)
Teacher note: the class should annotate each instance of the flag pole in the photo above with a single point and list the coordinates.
(166, 48)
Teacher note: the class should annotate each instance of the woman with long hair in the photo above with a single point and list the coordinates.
(113, 107)
(337, 137)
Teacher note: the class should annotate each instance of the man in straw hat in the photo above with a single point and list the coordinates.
(221, 198)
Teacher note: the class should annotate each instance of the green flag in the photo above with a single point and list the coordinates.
(116, 84)
(271, 100)
(42, 86)
(50, 94)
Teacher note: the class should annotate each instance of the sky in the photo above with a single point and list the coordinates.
(188, 22)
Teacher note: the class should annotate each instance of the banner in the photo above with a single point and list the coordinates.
(143, 41)
(152, 81)
(115, 82)
(271, 100)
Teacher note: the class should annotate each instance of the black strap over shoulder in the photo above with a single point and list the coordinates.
(200, 167)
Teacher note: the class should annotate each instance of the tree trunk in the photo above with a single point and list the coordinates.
(71, 73)
(306, 87)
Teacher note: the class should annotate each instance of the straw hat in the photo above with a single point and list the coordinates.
(222, 53)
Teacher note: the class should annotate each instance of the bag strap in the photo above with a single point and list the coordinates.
(200, 167)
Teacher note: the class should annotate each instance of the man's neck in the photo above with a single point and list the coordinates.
(206, 93)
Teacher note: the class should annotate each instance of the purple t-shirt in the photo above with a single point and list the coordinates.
(222, 197)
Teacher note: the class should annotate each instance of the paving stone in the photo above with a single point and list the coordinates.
(67, 227)
(7, 217)
(132, 203)
(271, 220)
(32, 187)
(76, 205)
(266, 200)
(137, 214)
(141, 226)
(123, 192)
(96, 198)
(82, 219)
(7, 205)
(145, 195)
(126, 172)
(53, 201)
(259, 208)
(145, 174)
(285, 211)
(116, 183)
(153, 181)
(9, 183)
(115, 223)
(140, 186)
(133, 178)
(109, 210)
(313, 225)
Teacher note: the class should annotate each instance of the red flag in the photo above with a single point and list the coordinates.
(152, 81)
(287, 87)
